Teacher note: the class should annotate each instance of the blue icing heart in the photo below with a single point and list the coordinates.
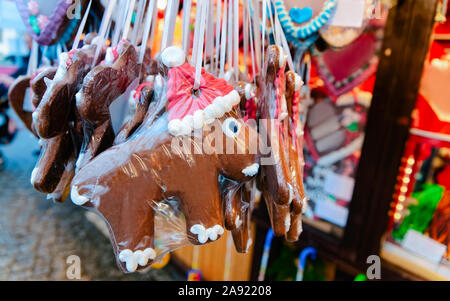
(301, 15)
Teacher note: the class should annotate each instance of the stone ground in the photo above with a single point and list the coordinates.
(37, 236)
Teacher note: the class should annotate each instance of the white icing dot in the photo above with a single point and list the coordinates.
(173, 56)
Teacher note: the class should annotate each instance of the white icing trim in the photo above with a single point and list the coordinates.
(138, 257)
(173, 56)
(220, 106)
(109, 57)
(251, 170)
(34, 175)
(77, 199)
(238, 221)
(249, 91)
(298, 82)
(203, 234)
(287, 222)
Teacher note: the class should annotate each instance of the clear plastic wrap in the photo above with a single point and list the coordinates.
(168, 171)
(281, 178)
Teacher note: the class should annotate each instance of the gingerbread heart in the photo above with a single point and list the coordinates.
(342, 70)
(47, 20)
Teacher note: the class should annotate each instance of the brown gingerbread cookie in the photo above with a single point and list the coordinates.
(293, 85)
(123, 182)
(145, 96)
(52, 163)
(101, 86)
(275, 176)
(16, 97)
(52, 115)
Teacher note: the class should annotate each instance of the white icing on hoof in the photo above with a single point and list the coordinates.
(173, 56)
(33, 175)
(77, 199)
(304, 204)
(128, 257)
(287, 222)
(238, 221)
(138, 257)
(200, 231)
(290, 193)
(251, 170)
(298, 82)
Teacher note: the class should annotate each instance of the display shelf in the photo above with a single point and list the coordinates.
(414, 264)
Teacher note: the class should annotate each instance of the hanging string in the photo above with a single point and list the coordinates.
(218, 15)
(123, 9)
(128, 19)
(236, 39)
(137, 28)
(245, 33)
(148, 23)
(223, 40)
(186, 25)
(251, 44)
(198, 65)
(103, 29)
(81, 27)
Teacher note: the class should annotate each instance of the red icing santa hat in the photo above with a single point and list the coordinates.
(191, 109)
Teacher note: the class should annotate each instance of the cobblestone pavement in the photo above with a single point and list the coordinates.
(37, 236)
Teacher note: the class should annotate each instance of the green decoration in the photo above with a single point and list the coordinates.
(34, 24)
(360, 277)
(353, 127)
(420, 214)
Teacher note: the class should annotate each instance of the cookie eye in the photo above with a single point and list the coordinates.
(231, 127)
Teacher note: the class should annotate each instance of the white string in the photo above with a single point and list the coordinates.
(137, 28)
(245, 24)
(103, 29)
(196, 33)
(223, 39)
(169, 23)
(123, 9)
(128, 19)
(198, 66)
(33, 60)
(154, 19)
(186, 25)
(263, 32)
(236, 40)
(218, 17)
(81, 27)
(148, 23)
(230, 36)
(209, 44)
(257, 36)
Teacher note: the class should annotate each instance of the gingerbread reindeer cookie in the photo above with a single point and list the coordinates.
(124, 182)
(16, 97)
(293, 85)
(101, 86)
(52, 115)
(275, 176)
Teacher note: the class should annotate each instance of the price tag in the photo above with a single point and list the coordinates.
(119, 108)
(332, 212)
(349, 13)
(424, 246)
(339, 186)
